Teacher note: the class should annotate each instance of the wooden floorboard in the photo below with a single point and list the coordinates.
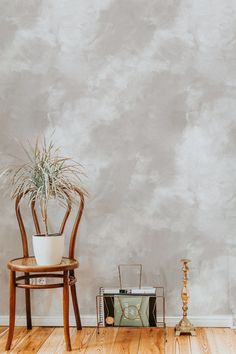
(199, 343)
(151, 341)
(182, 345)
(127, 341)
(54, 342)
(2, 330)
(33, 340)
(210, 334)
(104, 342)
(19, 334)
(170, 344)
(49, 340)
(81, 339)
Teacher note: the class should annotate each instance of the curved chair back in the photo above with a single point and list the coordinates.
(62, 227)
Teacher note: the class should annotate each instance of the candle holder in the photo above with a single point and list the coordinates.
(185, 326)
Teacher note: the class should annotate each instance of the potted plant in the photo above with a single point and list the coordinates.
(44, 176)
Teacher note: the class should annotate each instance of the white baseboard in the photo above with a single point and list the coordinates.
(55, 321)
(204, 321)
(91, 320)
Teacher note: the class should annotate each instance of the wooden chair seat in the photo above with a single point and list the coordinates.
(28, 264)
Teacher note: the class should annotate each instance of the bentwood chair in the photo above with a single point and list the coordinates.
(27, 265)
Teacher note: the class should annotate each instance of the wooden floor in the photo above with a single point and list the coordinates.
(122, 340)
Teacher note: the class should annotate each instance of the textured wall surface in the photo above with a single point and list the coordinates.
(143, 93)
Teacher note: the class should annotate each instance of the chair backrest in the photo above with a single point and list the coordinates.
(62, 227)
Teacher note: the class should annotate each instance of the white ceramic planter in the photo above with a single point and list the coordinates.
(48, 250)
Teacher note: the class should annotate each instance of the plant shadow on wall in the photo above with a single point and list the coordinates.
(44, 176)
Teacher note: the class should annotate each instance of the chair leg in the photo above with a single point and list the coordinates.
(27, 303)
(12, 309)
(66, 310)
(75, 304)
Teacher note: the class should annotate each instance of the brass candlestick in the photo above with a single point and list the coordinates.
(184, 325)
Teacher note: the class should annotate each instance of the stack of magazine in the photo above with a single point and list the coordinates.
(128, 307)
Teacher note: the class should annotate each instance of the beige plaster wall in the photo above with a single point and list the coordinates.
(142, 92)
